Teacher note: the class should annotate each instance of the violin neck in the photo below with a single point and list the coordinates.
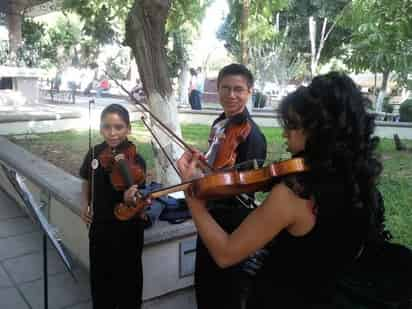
(171, 189)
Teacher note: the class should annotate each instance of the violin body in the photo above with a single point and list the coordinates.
(220, 185)
(228, 184)
(123, 212)
(122, 166)
(233, 136)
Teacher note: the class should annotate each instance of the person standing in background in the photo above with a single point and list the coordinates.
(200, 85)
(194, 94)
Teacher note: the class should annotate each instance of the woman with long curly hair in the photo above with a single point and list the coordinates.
(314, 223)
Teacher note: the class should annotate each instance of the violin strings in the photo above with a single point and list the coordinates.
(160, 145)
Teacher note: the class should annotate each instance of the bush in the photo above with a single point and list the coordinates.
(405, 111)
(386, 106)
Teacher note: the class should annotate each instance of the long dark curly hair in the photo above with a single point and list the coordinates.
(332, 113)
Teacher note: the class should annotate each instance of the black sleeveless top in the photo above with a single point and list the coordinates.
(301, 272)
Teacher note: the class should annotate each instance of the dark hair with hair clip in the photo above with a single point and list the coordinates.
(236, 69)
(332, 113)
(116, 109)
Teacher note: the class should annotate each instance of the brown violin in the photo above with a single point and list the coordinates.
(233, 136)
(221, 185)
(122, 166)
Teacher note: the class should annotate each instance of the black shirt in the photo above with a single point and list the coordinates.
(105, 196)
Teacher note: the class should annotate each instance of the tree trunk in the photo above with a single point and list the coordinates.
(277, 24)
(183, 93)
(382, 91)
(243, 31)
(312, 39)
(145, 34)
(14, 24)
(317, 50)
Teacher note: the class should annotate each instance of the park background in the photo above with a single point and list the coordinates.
(73, 43)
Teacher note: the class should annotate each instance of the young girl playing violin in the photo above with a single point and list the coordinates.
(115, 246)
(312, 223)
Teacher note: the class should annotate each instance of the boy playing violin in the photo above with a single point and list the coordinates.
(217, 287)
(115, 247)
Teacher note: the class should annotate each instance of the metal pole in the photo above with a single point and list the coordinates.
(45, 279)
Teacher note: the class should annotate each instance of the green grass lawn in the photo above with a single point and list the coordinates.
(67, 149)
(396, 187)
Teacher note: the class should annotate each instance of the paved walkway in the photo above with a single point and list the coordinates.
(21, 266)
(82, 105)
(82, 102)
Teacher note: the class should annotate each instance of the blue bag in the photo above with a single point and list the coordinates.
(165, 208)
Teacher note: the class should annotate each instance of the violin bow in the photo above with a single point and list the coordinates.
(179, 141)
(91, 148)
(143, 118)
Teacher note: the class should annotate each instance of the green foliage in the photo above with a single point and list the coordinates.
(230, 29)
(177, 53)
(260, 24)
(182, 25)
(395, 185)
(62, 40)
(381, 36)
(34, 45)
(186, 12)
(293, 18)
(296, 18)
(45, 46)
(405, 111)
(118, 66)
(103, 19)
(276, 63)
